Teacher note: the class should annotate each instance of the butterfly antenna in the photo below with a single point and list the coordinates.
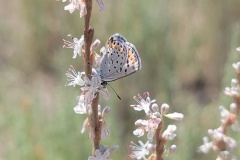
(115, 92)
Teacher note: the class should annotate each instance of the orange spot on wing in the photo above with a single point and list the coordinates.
(130, 55)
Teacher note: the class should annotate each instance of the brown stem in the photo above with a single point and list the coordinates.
(88, 61)
(96, 122)
(88, 37)
(160, 142)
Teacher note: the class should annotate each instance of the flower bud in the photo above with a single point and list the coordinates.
(164, 108)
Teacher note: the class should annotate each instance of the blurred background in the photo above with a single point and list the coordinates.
(186, 46)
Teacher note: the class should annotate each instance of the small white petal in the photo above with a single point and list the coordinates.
(175, 116)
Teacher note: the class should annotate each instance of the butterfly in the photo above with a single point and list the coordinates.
(119, 58)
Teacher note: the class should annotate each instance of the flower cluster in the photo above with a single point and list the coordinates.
(89, 87)
(150, 125)
(81, 6)
(89, 90)
(220, 142)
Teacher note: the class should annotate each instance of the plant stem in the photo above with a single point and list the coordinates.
(160, 142)
(88, 61)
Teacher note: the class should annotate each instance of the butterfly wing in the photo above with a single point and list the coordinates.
(113, 56)
(120, 59)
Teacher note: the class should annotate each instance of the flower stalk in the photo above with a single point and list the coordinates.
(160, 142)
(88, 63)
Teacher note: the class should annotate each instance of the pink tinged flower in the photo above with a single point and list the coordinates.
(100, 156)
(143, 103)
(76, 45)
(149, 126)
(74, 78)
(175, 116)
(100, 5)
(139, 151)
(152, 127)
(169, 134)
(206, 147)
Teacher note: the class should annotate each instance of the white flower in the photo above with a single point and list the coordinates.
(233, 91)
(81, 108)
(139, 151)
(100, 156)
(76, 45)
(143, 103)
(76, 5)
(169, 134)
(74, 78)
(175, 116)
(138, 132)
(206, 147)
(94, 86)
